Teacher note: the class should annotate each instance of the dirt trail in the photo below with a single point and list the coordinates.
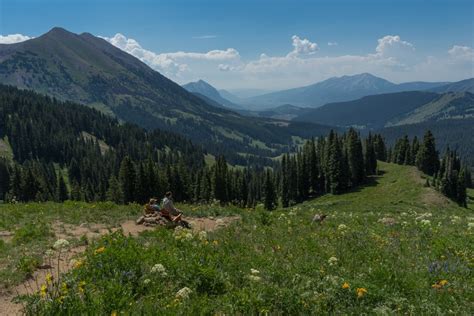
(91, 231)
(430, 196)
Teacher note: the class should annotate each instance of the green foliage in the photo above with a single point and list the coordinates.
(383, 238)
(452, 133)
(270, 200)
(427, 157)
(27, 265)
(450, 177)
(30, 232)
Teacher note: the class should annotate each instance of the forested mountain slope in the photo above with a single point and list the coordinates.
(457, 134)
(372, 111)
(89, 70)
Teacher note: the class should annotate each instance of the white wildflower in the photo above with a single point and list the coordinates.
(470, 226)
(342, 227)
(202, 236)
(255, 278)
(332, 261)
(61, 243)
(183, 293)
(424, 216)
(146, 281)
(159, 269)
(254, 271)
(455, 219)
(49, 253)
(425, 222)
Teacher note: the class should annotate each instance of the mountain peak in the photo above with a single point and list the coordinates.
(58, 31)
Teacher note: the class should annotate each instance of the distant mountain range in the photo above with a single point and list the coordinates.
(466, 85)
(89, 70)
(383, 110)
(336, 89)
(205, 89)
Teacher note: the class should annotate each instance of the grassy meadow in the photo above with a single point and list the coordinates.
(390, 247)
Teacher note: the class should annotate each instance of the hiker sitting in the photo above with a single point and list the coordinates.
(153, 207)
(168, 210)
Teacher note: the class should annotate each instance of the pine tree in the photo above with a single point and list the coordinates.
(4, 178)
(461, 194)
(285, 182)
(369, 156)
(427, 157)
(16, 184)
(220, 180)
(355, 157)
(76, 191)
(303, 176)
(127, 180)
(380, 149)
(293, 179)
(334, 164)
(115, 193)
(313, 167)
(270, 201)
(468, 178)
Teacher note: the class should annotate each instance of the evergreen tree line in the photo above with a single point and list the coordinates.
(333, 164)
(449, 175)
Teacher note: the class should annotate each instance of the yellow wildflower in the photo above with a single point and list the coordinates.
(345, 286)
(99, 250)
(438, 285)
(78, 264)
(361, 292)
(43, 290)
(81, 286)
(215, 242)
(64, 288)
(114, 313)
(49, 278)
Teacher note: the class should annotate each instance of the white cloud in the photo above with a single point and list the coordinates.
(204, 37)
(228, 54)
(393, 46)
(302, 47)
(392, 57)
(13, 38)
(463, 53)
(171, 64)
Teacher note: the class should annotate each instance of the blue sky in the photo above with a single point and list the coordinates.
(423, 34)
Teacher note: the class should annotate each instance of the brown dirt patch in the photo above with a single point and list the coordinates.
(432, 197)
(91, 231)
(211, 224)
(429, 195)
(5, 235)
